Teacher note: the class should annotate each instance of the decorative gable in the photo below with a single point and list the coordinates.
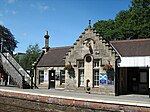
(90, 43)
(89, 56)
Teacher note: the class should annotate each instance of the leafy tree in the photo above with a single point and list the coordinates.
(18, 56)
(105, 28)
(30, 56)
(7, 39)
(140, 18)
(128, 24)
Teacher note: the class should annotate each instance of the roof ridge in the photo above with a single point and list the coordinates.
(60, 47)
(133, 40)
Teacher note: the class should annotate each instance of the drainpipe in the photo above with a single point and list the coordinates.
(149, 82)
(118, 60)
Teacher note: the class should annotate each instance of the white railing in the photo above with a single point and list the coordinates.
(11, 70)
(19, 68)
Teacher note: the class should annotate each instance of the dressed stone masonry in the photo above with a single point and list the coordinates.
(90, 49)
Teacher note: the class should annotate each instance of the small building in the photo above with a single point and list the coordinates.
(50, 69)
(134, 67)
(116, 67)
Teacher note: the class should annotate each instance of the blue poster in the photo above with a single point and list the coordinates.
(103, 78)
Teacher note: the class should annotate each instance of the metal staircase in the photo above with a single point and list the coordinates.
(19, 75)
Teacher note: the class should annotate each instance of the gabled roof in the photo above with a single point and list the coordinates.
(54, 57)
(126, 48)
(131, 48)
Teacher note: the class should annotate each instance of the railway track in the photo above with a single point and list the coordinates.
(12, 108)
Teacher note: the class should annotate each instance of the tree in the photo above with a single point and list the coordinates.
(105, 28)
(31, 55)
(128, 24)
(140, 18)
(7, 39)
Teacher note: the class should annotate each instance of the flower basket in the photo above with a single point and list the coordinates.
(108, 68)
(70, 70)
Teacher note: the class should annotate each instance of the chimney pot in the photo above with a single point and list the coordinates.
(46, 45)
(46, 33)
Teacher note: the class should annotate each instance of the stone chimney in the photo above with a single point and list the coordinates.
(46, 44)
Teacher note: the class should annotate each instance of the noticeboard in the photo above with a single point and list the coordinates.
(103, 78)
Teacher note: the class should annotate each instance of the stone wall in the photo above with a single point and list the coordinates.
(99, 49)
(46, 77)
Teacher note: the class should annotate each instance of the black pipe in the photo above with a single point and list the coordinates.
(116, 78)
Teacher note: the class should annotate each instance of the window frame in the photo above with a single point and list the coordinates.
(41, 74)
(96, 78)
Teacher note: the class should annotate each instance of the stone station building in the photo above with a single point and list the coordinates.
(117, 67)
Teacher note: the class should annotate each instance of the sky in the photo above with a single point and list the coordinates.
(65, 20)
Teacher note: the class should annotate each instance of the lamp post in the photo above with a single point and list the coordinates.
(117, 61)
(32, 74)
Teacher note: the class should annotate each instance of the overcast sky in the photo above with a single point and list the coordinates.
(65, 20)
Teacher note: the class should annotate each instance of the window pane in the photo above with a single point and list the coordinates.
(110, 77)
(81, 64)
(41, 76)
(143, 77)
(96, 64)
(96, 77)
(81, 77)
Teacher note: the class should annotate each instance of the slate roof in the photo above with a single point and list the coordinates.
(131, 48)
(126, 48)
(54, 57)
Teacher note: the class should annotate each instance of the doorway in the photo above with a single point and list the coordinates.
(51, 79)
(132, 80)
(137, 81)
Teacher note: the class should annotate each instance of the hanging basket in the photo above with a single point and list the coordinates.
(108, 68)
(70, 70)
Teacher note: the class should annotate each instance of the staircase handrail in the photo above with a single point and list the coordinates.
(20, 67)
(19, 64)
(12, 66)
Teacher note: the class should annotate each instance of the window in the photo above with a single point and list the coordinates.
(96, 77)
(96, 64)
(81, 64)
(62, 76)
(81, 72)
(143, 77)
(41, 76)
(110, 77)
(81, 77)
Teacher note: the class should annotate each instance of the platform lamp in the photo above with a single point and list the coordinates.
(32, 74)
